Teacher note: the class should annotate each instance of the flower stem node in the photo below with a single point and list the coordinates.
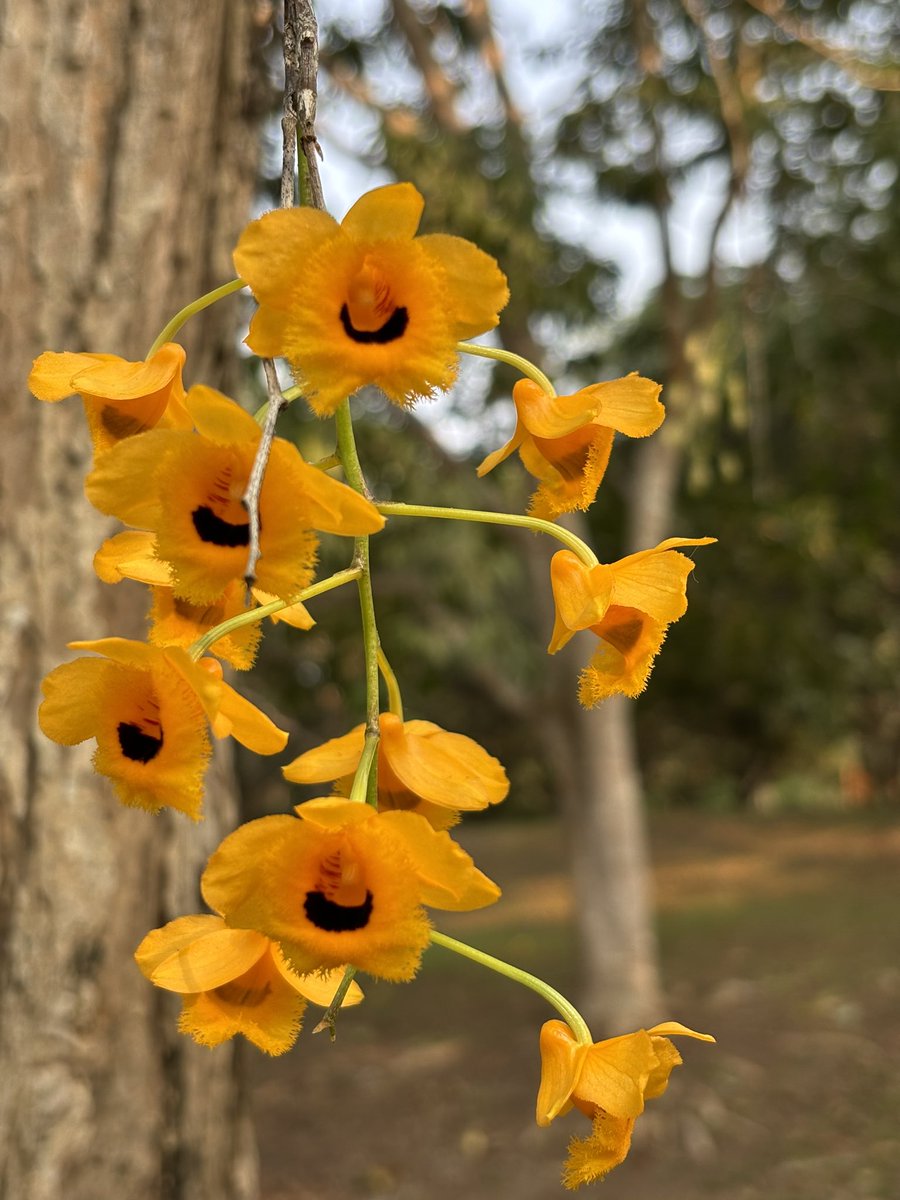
(343, 884)
(366, 301)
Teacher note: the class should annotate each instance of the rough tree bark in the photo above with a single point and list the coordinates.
(127, 157)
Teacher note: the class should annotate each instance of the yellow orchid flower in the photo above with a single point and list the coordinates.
(148, 708)
(343, 884)
(177, 622)
(366, 301)
(120, 398)
(233, 981)
(565, 441)
(186, 489)
(628, 604)
(609, 1082)
(421, 768)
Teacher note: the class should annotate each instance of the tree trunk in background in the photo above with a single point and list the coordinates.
(128, 154)
(613, 883)
(594, 760)
(612, 874)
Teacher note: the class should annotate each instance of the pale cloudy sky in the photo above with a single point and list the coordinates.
(543, 88)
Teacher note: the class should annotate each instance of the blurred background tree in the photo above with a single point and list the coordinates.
(703, 192)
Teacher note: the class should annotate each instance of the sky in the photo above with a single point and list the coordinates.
(542, 85)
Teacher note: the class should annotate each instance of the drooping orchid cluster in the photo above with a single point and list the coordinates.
(300, 903)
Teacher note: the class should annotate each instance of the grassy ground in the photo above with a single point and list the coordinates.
(781, 937)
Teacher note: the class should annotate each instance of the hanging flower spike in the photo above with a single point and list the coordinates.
(176, 622)
(120, 398)
(233, 981)
(148, 708)
(186, 489)
(565, 441)
(628, 604)
(609, 1082)
(366, 301)
(343, 884)
(421, 768)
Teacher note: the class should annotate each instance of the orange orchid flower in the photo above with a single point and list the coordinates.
(628, 604)
(366, 301)
(565, 441)
(186, 489)
(343, 884)
(148, 708)
(421, 768)
(609, 1082)
(234, 981)
(178, 622)
(120, 398)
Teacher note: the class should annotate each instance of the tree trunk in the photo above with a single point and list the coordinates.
(595, 766)
(612, 878)
(613, 884)
(128, 154)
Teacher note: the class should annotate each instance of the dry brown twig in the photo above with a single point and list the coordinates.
(301, 65)
(250, 498)
(301, 69)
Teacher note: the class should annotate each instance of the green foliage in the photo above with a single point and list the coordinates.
(795, 625)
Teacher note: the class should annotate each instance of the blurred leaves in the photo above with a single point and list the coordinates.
(788, 659)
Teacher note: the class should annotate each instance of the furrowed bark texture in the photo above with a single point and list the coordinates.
(127, 156)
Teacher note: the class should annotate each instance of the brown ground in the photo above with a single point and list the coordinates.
(781, 937)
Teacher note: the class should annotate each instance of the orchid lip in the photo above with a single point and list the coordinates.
(393, 328)
(136, 744)
(325, 914)
(220, 533)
